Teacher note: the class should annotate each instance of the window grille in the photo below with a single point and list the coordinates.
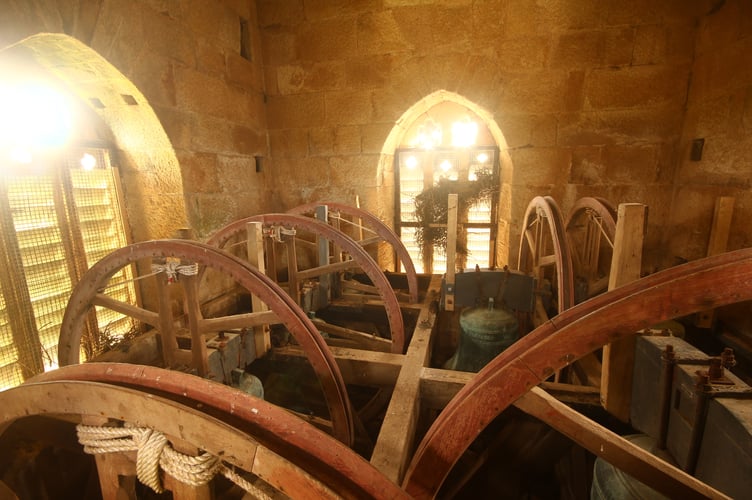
(55, 224)
(420, 169)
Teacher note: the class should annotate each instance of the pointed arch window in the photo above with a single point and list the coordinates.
(426, 164)
(58, 216)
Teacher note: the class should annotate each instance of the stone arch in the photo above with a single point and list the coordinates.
(385, 170)
(149, 168)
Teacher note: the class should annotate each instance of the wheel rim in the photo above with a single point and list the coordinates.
(543, 246)
(84, 297)
(228, 434)
(678, 291)
(359, 255)
(381, 229)
(590, 231)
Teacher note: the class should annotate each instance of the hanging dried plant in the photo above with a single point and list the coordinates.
(431, 208)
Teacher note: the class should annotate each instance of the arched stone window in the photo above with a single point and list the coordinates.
(443, 144)
(69, 119)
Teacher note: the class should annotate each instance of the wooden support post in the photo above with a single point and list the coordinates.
(167, 335)
(255, 246)
(451, 251)
(719, 233)
(626, 262)
(183, 490)
(199, 355)
(293, 285)
(325, 281)
(395, 443)
(116, 470)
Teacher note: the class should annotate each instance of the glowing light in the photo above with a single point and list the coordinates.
(472, 176)
(411, 162)
(429, 134)
(482, 158)
(445, 165)
(20, 155)
(464, 133)
(88, 162)
(33, 116)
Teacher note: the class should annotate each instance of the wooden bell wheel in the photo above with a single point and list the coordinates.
(544, 252)
(377, 231)
(286, 226)
(590, 231)
(242, 437)
(177, 262)
(509, 378)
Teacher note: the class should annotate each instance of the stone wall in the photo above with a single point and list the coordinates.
(719, 110)
(589, 95)
(200, 72)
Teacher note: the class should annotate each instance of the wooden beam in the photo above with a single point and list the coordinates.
(451, 251)
(619, 452)
(364, 340)
(626, 263)
(357, 366)
(719, 234)
(439, 386)
(326, 280)
(314, 272)
(255, 246)
(395, 443)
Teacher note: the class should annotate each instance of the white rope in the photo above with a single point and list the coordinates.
(336, 216)
(174, 268)
(154, 451)
(276, 233)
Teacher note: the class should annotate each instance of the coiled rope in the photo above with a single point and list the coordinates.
(153, 451)
(173, 268)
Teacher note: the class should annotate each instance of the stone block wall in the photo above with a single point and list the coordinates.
(591, 98)
(719, 110)
(198, 63)
(589, 95)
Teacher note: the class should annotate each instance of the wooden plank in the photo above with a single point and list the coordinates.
(200, 359)
(166, 327)
(135, 312)
(395, 443)
(235, 321)
(293, 283)
(719, 234)
(287, 477)
(325, 280)
(451, 251)
(626, 263)
(116, 471)
(439, 386)
(365, 340)
(619, 452)
(588, 370)
(357, 366)
(255, 246)
(314, 272)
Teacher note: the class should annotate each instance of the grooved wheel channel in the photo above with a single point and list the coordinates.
(88, 293)
(359, 258)
(244, 431)
(544, 252)
(590, 231)
(678, 291)
(382, 231)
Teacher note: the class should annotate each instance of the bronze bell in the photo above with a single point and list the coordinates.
(484, 333)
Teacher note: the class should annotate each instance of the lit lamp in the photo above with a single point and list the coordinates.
(464, 133)
(33, 117)
(88, 162)
(429, 134)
